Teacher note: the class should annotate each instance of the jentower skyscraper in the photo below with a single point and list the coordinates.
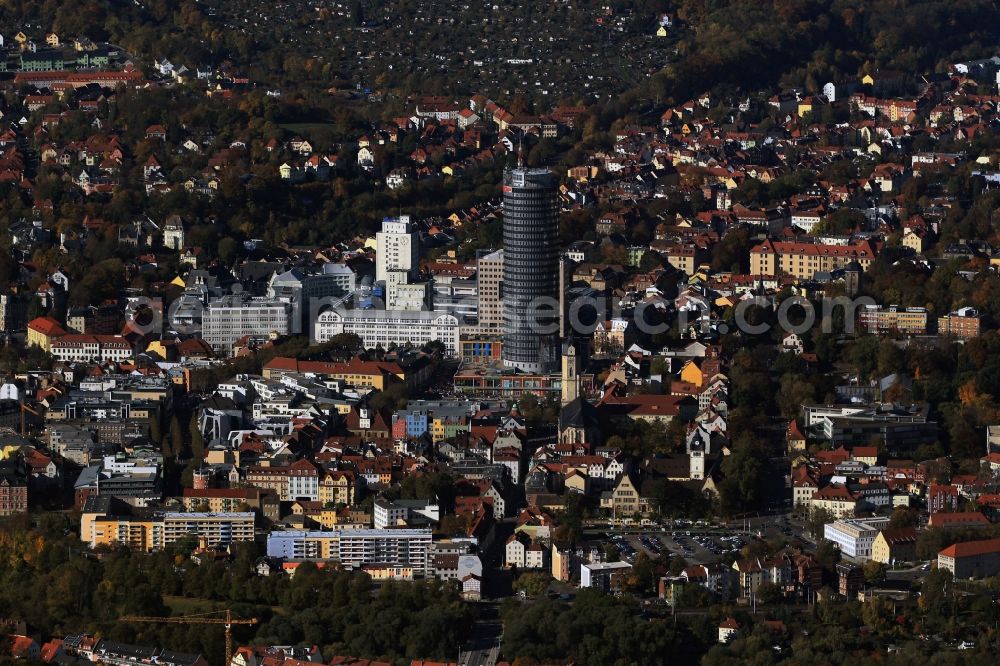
(531, 270)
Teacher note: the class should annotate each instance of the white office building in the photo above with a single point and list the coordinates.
(598, 574)
(229, 318)
(401, 294)
(385, 327)
(305, 291)
(855, 538)
(395, 513)
(397, 247)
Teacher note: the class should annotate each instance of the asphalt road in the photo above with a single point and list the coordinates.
(911, 574)
(483, 647)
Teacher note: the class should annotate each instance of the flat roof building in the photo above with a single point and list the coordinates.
(386, 327)
(356, 547)
(530, 289)
(599, 574)
(855, 537)
(230, 318)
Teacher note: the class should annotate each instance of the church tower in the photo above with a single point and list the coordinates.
(570, 375)
(697, 465)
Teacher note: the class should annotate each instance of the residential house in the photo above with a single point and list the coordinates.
(893, 545)
(835, 498)
(43, 331)
(728, 629)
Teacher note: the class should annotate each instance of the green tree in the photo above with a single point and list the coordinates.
(228, 250)
(863, 355)
(794, 392)
(176, 437)
(155, 432)
(197, 439)
(642, 577)
(768, 593)
(532, 584)
(874, 571)
(903, 516)
(743, 486)
(827, 554)
(890, 358)
(818, 518)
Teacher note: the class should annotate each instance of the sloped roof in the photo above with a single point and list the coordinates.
(578, 414)
(971, 548)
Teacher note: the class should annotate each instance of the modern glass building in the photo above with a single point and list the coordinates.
(531, 270)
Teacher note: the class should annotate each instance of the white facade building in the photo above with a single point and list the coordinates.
(305, 292)
(397, 247)
(598, 574)
(384, 327)
(855, 537)
(229, 318)
(84, 348)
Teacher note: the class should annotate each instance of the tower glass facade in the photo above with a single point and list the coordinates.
(531, 270)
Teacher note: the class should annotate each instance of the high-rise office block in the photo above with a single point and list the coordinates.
(489, 281)
(531, 270)
(229, 318)
(397, 247)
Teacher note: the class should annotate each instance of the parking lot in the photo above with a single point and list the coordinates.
(697, 543)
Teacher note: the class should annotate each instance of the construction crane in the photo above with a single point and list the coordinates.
(201, 618)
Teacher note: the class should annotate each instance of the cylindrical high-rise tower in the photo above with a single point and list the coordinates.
(531, 270)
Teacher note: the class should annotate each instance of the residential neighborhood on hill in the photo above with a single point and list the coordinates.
(569, 333)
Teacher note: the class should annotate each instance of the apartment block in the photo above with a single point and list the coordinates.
(229, 500)
(971, 559)
(489, 290)
(106, 523)
(804, 260)
(893, 319)
(356, 547)
(298, 481)
(895, 545)
(963, 324)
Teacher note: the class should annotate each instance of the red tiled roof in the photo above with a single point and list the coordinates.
(835, 491)
(50, 650)
(20, 645)
(862, 249)
(971, 548)
(949, 519)
(47, 326)
(231, 493)
(900, 535)
(355, 366)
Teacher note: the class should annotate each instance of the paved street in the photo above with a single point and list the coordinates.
(483, 647)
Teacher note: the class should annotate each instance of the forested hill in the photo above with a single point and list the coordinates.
(571, 51)
(808, 42)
